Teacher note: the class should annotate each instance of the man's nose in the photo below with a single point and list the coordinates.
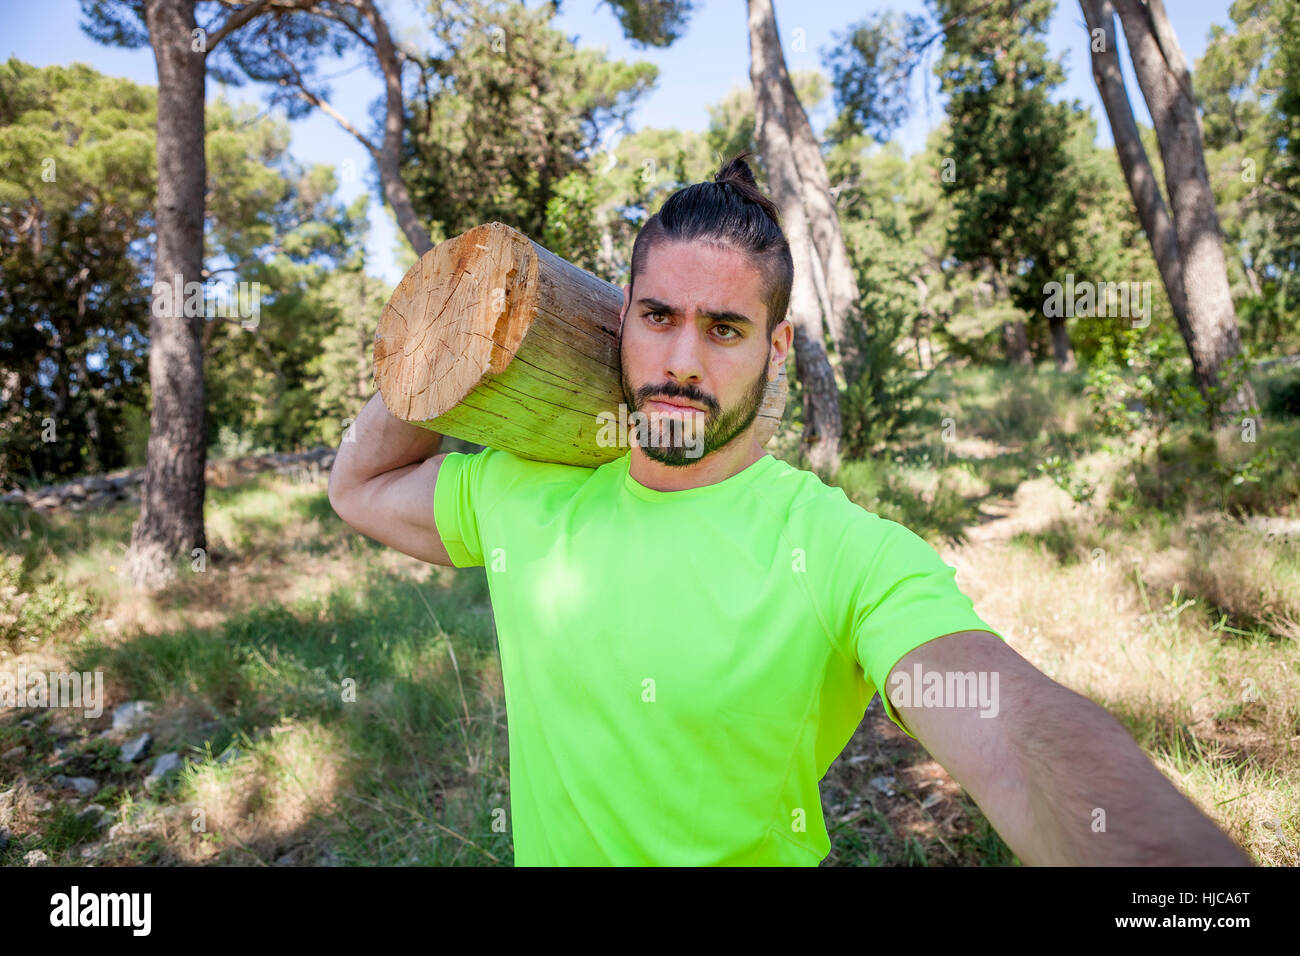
(684, 365)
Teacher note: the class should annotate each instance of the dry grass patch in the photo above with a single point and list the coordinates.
(1216, 712)
(264, 802)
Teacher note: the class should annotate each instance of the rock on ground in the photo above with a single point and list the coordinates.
(133, 750)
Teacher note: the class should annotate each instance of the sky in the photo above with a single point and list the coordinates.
(709, 61)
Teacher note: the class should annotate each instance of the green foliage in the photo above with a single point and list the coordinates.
(1019, 410)
(76, 202)
(571, 230)
(1006, 137)
(652, 22)
(66, 828)
(1143, 389)
(1064, 476)
(509, 111)
(870, 67)
(1144, 396)
(1032, 197)
(887, 210)
(885, 397)
(1249, 84)
(234, 444)
(1281, 396)
(35, 610)
(633, 178)
(338, 378)
(279, 225)
(77, 193)
(1092, 233)
(886, 488)
(1192, 471)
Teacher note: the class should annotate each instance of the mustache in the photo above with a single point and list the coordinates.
(672, 391)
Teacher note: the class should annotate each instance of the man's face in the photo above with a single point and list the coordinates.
(694, 331)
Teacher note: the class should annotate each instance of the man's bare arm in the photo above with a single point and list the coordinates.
(383, 482)
(376, 444)
(1060, 779)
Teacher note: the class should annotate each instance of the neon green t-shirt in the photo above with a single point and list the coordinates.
(681, 668)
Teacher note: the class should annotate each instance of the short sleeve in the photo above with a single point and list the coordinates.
(907, 596)
(468, 487)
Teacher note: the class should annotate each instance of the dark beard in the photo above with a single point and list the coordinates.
(718, 433)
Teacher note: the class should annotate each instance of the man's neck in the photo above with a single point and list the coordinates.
(709, 470)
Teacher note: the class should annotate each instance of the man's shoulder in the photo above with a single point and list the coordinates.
(809, 501)
(805, 490)
(508, 459)
(506, 469)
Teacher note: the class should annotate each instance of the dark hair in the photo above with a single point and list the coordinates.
(730, 211)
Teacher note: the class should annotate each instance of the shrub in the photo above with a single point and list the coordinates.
(1282, 396)
(886, 395)
(36, 611)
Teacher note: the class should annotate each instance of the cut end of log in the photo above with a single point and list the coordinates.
(453, 319)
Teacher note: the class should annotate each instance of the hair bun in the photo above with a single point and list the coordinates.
(737, 172)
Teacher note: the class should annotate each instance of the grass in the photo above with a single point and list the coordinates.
(336, 702)
(358, 692)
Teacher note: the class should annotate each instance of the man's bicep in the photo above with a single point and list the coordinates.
(396, 508)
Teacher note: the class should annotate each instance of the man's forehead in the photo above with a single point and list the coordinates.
(702, 276)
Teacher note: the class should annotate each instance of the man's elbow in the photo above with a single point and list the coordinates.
(339, 496)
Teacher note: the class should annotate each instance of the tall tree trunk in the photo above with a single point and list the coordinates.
(366, 342)
(1014, 334)
(1166, 86)
(94, 440)
(1152, 212)
(171, 502)
(921, 324)
(1061, 349)
(841, 285)
(1016, 340)
(821, 414)
(389, 155)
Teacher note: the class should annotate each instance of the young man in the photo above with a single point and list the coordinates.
(691, 633)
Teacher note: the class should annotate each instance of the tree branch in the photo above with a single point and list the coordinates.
(352, 28)
(322, 105)
(1167, 41)
(236, 20)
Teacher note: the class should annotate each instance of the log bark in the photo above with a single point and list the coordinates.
(495, 340)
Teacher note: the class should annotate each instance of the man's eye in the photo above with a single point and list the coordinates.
(732, 328)
(654, 315)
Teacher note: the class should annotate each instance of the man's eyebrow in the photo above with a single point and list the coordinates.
(717, 315)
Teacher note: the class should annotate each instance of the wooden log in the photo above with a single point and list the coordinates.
(495, 340)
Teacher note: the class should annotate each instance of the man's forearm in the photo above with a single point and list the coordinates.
(379, 443)
(1094, 799)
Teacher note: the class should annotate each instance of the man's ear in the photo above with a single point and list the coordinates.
(627, 300)
(782, 336)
